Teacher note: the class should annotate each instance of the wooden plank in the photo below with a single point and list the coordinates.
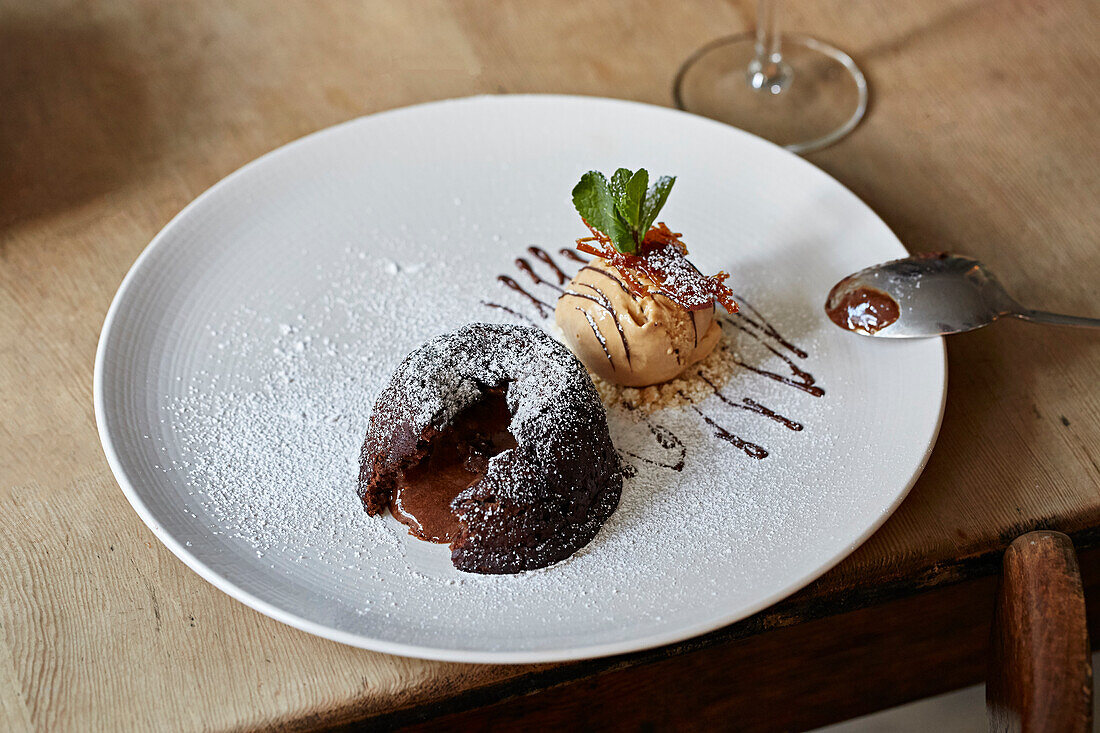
(981, 137)
(792, 678)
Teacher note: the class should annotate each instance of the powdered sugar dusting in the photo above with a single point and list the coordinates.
(216, 351)
(682, 280)
(273, 457)
(447, 375)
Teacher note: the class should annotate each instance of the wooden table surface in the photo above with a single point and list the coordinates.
(982, 137)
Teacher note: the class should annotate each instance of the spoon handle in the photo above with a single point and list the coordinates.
(1057, 319)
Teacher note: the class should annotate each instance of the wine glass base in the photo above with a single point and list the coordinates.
(820, 99)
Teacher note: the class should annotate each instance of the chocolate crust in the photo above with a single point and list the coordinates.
(539, 502)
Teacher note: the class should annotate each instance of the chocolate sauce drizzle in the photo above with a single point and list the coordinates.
(544, 257)
(752, 405)
(751, 450)
(507, 310)
(801, 380)
(597, 334)
(756, 326)
(540, 306)
(747, 403)
(625, 466)
(765, 326)
(614, 279)
(525, 267)
(606, 304)
(667, 440)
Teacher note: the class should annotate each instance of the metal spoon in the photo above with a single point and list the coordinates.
(929, 294)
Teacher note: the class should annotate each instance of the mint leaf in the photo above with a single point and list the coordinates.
(654, 201)
(628, 188)
(594, 202)
(618, 183)
(623, 209)
(630, 206)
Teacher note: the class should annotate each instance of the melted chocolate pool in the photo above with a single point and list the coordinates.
(862, 309)
(456, 459)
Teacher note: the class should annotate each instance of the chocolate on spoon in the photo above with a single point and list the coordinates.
(929, 294)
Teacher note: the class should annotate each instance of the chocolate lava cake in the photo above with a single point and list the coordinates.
(492, 438)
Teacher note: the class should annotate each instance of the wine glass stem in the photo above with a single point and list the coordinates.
(767, 37)
(767, 71)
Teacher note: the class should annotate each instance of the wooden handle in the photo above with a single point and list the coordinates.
(1040, 668)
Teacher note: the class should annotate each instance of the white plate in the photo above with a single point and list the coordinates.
(240, 358)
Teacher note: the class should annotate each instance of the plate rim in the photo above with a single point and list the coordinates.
(574, 653)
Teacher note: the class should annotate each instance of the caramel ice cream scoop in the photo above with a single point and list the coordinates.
(630, 339)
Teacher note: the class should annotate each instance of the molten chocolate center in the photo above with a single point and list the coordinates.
(457, 458)
(861, 309)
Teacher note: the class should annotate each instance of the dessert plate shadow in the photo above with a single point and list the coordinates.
(240, 358)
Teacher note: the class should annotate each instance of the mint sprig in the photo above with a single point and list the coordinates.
(623, 209)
